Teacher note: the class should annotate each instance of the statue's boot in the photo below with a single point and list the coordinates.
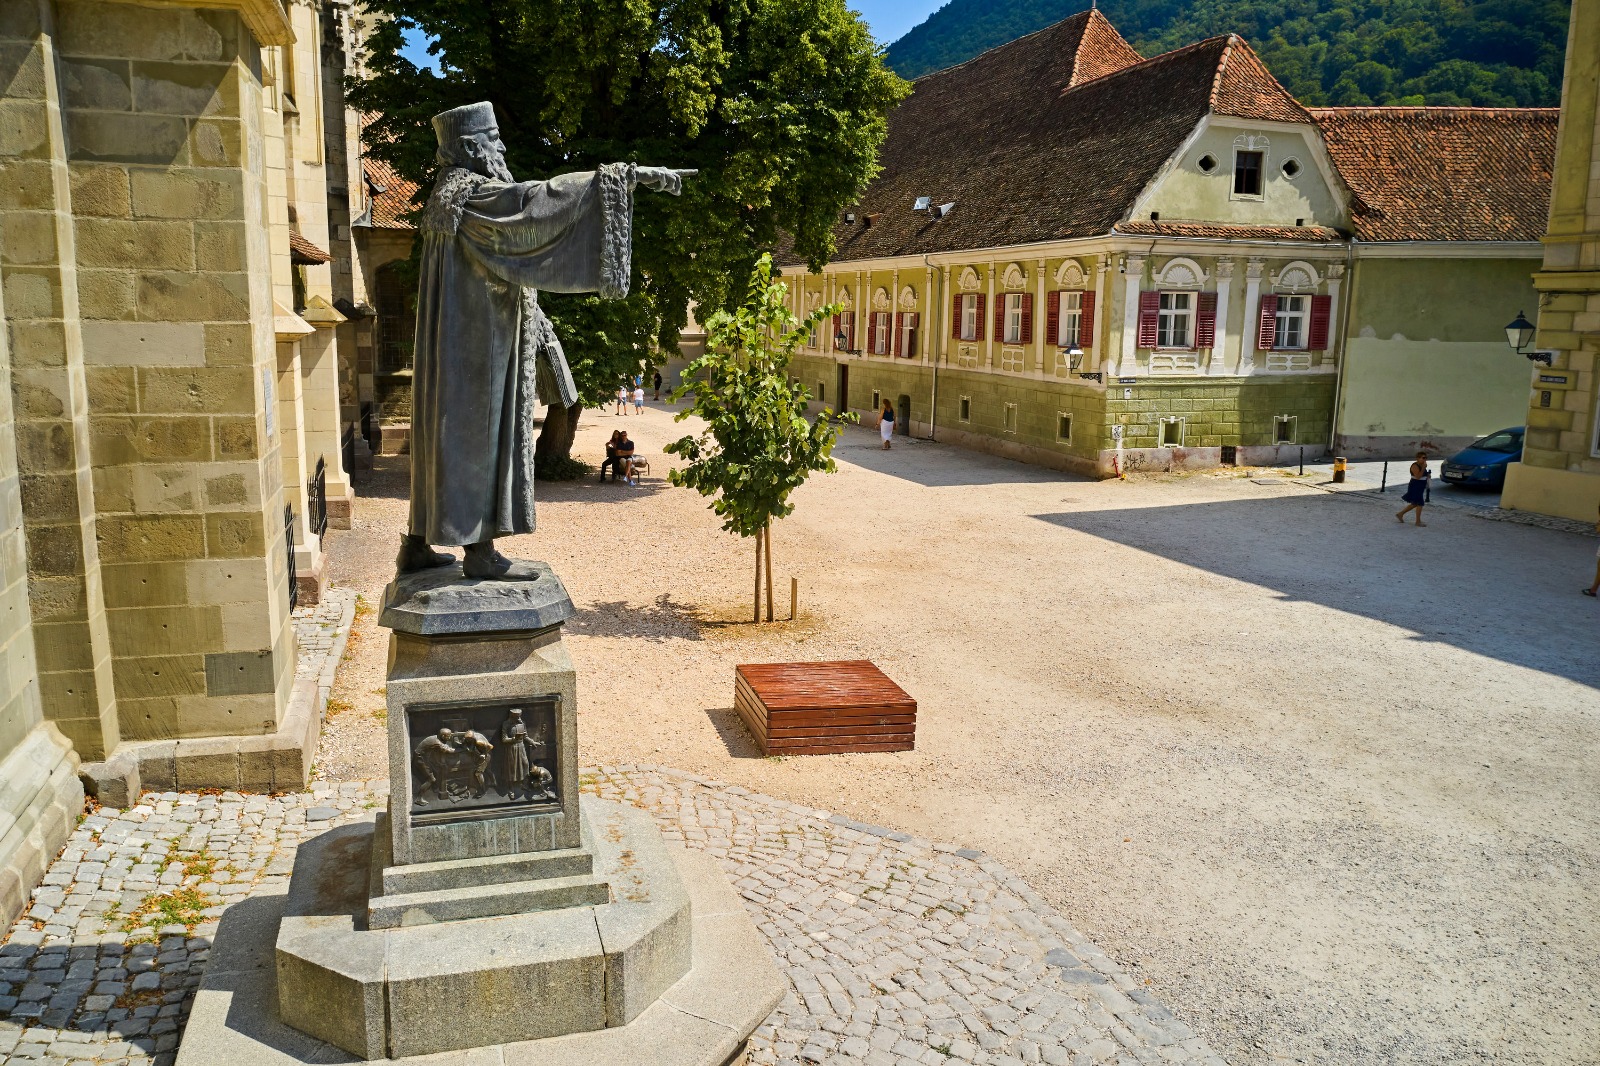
(484, 563)
(416, 554)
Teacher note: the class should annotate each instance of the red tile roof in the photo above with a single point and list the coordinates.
(303, 251)
(391, 206)
(1444, 173)
(1051, 136)
(1216, 231)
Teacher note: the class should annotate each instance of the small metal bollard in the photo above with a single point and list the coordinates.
(1383, 486)
(1302, 460)
(1339, 468)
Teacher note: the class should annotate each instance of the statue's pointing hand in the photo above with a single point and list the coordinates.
(663, 179)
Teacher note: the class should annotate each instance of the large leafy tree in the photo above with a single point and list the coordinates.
(780, 104)
(758, 446)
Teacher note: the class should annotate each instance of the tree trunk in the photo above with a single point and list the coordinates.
(767, 536)
(559, 431)
(757, 617)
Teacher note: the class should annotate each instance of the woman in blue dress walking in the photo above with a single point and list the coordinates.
(1416, 490)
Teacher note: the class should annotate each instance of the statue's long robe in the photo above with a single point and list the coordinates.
(485, 353)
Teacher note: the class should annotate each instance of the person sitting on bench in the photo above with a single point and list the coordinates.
(624, 457)
(611, 455)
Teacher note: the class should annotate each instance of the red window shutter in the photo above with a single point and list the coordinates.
(1086, 327)
(1027, 318)
(838, 327)
(955, 317)
(1149, 317)
(1052, 318)
(980, 324)
(1205, 333)
(1000, 318)
(894, 344)
(1267, 332)
(1321, 316)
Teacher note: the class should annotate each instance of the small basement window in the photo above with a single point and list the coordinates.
(1011, 418)
(877, 401)
(1172, 432)
(1283, 429)
(1208, 163)
(822, 393)
(965, 414)
(1247, 173)
(1063, 428)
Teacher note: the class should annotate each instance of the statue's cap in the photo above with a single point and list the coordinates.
(463, 121)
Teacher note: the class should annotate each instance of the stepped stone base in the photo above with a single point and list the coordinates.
(40, 801)
(702, 1019)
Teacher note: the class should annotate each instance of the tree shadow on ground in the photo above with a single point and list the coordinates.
(733, 734)
(931, 465)
(1502, 591)
(661, 620)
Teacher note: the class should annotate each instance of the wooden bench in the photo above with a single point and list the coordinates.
(822, 708)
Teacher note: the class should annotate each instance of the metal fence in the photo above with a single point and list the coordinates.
(317, 498)
(288, 544)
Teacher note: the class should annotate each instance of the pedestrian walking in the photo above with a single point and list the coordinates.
(886, 423)
(658, 385)
(1594, 589)
(1416, 490)
(638, 399)
(622, 398)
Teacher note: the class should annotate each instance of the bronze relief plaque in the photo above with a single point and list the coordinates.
(473, 759)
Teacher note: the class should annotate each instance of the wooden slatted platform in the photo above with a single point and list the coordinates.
(822, 708)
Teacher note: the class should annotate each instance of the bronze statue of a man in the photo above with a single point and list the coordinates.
(485, 353)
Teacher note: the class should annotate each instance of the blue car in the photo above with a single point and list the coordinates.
(1482, 464)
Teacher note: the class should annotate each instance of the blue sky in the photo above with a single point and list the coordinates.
(889, 19)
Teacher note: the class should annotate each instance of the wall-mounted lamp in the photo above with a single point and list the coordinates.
(839, 339)
(1519, 333)
(1074, 357)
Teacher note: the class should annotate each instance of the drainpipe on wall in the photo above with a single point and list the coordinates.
(1344, 344)
(935, 308)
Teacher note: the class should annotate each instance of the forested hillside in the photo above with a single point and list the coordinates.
(1485, 52)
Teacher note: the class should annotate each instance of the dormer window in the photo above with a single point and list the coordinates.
(1247, 173)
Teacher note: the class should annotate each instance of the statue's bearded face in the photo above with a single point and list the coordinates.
(487, 155)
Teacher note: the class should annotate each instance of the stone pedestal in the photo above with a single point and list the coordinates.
(488, 909)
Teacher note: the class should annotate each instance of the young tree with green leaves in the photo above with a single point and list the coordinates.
(758, 445)
(780, 104)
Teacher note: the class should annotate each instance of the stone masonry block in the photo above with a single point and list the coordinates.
(189, 89)
(32, 292)
(154, 718)
(135, 538)
(118, 137)
(180, 297)
(144, 344)
(24, 131)
(50, 498)
(100, 190)
(112, 29)
(226, 343)
(197, 390)
(22, 70)
(235, 438)
(159, 676)
(27, 185)
(221, 246)
(231, 536)
(237, 673)
(30, 238)
(111, 389)
(145, 584)
(105, 294)
(135, 245)
(187, 194)
(158, 489)
(61, 645)
(55, 549)
(217, 142)
(164, 630)
(246, 625)
(96, 84)
(117, 441)
(232, 716)
(40, 395)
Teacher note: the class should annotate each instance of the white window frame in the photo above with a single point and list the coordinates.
(882, 332)
(964, 409)
(908, 335)
(877, 400)
(1013, 333)
(1008, 418)
(1168, 319)
(1066, 416)
(1171, 420)
(1261, 174)
(1069, 319)
(1292, 421)
(969, 316)
(1296, 321)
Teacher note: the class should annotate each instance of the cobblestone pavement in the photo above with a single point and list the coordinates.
(898, 950)
(322, 630)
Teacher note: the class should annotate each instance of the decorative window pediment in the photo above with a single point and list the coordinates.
(880, 299)
(1296, 277)
(1182, 274)
(1014, 278)
(844, 300)
(908, 299)
(1069, 275)
(1252, 142)
(969, 279)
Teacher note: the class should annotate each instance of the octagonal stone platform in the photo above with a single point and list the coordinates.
(702, 1019)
